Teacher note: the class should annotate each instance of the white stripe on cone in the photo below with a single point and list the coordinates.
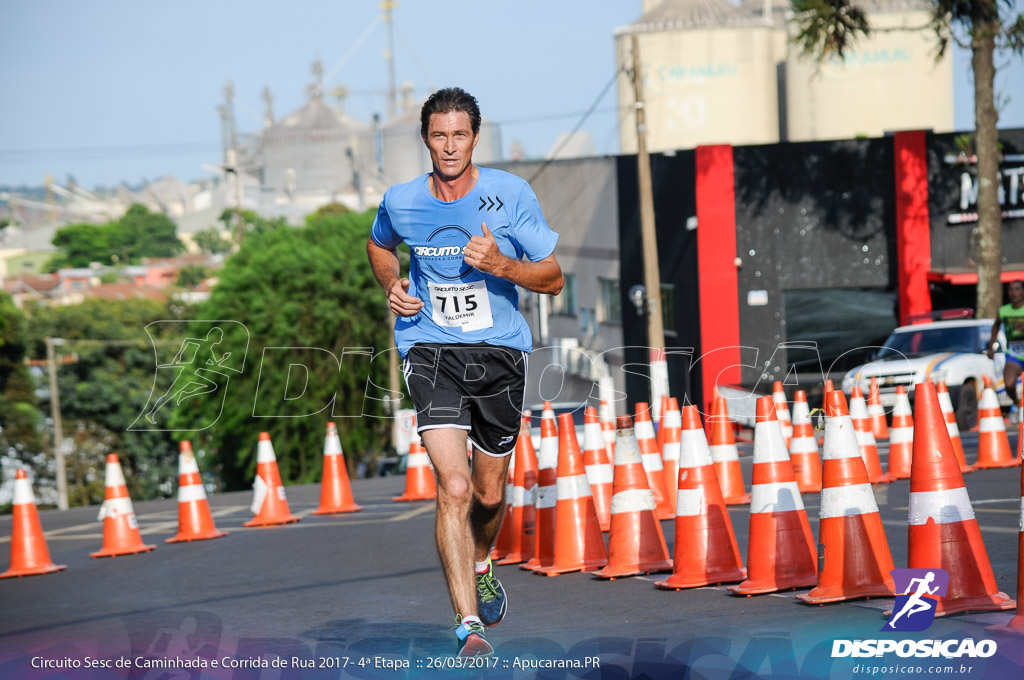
(601, 474)
(690, 502)
(847, 501)
(775, 497)
(191, 493)
(946, 506)
(633, 500)
(23, 493)
(573, 487)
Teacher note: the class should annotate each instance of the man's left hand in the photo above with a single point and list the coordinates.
(482, 253)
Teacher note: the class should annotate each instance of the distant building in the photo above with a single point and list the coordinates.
(717, 73)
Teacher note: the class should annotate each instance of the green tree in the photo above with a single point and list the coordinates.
(331, 210)
(307, 287)
(140, 233)
(80, 244)
(831, 27)
(241, 223)
(210, 241)
(192, 275)
(104, 392)
(19, 416)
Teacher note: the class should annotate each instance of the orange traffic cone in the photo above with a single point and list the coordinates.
(524, 508)
(857, 560)
(1016, 624)
(120, 527)
(943, 531)
(335, 489)
(607, 415)
(725, 454)
(635, 542)
(780, 550)
(269, 503)
(876, 414)
(659, 416)
(993, 444)
(865, 438)
(653, 464)
(706, 551)
(547, 493)
(420, 484)
(949, 415)
(803, 450)
(195, 523)
(600, 472)
(782, 411)
(29, 554)
(669, 434)
(1020, 441)
(579, 545)
(901, 437)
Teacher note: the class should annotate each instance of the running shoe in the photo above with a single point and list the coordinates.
(491, 602)
(471, 639)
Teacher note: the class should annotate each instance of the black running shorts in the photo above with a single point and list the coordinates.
(477, 388)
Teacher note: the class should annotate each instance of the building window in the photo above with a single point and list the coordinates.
(668, 309)
(611, 302)
(588, 321)
(565, 302)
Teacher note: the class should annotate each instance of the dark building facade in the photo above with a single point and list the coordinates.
(792, 261)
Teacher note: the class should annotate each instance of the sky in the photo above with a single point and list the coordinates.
(111, 90)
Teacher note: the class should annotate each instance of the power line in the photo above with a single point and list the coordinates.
(576, 128)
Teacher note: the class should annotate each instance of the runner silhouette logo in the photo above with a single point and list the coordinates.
(195, 361)
(915, 607)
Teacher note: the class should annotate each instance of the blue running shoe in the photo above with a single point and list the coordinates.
(491, 602)
(471, 639)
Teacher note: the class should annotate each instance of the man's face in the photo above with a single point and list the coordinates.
(451, 142)
(1015, 291)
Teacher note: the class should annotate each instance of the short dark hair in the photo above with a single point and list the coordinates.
(448, 100)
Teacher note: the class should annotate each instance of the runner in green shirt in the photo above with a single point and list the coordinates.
(1011, 316)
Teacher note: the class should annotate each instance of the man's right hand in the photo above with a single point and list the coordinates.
(402, 303)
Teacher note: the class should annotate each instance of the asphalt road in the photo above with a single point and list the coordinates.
(335, 590)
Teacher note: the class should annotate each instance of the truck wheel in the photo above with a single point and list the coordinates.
(967, 407)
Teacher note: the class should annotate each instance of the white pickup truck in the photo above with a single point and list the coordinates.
(951, 351)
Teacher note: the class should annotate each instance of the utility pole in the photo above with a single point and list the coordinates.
(58, 429)
(387, 6)
(652, 274)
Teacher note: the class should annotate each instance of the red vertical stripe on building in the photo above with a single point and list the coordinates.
(716, 264)
(913, 235)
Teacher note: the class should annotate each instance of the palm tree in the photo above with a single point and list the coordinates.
(830, 28)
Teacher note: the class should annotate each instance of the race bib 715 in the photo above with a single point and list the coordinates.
(461, 305)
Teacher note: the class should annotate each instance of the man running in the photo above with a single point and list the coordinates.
(464, 342)
(1011, 315)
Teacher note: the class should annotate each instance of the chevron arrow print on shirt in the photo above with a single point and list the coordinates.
(490, 203)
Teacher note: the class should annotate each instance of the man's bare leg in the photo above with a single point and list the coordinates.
(488, 506)
(455, 546)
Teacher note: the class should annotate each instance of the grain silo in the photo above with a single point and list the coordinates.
(889, 81)
(709, 75)
(316, 149)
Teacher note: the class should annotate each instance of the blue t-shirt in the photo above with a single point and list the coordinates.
(462, 304)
